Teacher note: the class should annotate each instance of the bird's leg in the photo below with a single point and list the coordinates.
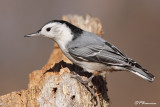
(85, 83)
(80, 79)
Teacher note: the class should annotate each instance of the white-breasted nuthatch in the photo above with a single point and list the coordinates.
(89, 51)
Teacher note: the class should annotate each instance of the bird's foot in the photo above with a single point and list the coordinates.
(85, 83)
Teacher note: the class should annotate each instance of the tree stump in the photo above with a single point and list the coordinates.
(52, 86)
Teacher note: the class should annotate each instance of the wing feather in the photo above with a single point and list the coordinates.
(105, 53)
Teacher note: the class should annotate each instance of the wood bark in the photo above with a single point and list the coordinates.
(52, 86)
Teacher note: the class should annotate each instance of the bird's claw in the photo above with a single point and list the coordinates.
(85, 83)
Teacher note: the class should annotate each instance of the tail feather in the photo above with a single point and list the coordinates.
(142, 73)
(139, 70)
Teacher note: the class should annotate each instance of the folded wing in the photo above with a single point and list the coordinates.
(104, 53)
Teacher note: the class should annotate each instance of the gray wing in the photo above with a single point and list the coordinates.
(90, 47)
(105, 53)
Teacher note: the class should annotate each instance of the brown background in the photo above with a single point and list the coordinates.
(131, 25)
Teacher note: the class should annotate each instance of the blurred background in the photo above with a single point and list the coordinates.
(131, 25)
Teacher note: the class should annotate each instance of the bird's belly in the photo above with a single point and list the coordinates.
(89, 66)
(92, 66)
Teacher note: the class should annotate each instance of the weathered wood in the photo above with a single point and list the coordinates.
(56, 88)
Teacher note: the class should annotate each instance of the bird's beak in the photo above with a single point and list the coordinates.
(34, 34)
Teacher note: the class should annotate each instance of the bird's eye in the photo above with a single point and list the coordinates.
(48, 29)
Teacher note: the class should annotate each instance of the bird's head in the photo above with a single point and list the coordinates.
(58, 30)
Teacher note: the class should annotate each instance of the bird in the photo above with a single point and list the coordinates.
(89, 51)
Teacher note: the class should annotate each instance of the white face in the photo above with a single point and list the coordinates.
(49, 30)
(55, 30)
(58, 32)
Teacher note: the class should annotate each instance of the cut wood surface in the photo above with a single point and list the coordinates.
(52, 86)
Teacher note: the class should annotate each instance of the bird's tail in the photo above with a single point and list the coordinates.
(138, 70)
(142, 73)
